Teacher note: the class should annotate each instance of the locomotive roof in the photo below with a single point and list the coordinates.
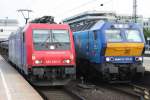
(45, 26)
(90, 25)
(99, 24)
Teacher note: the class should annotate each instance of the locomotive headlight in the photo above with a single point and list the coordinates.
(138, 58)
(110, 59)
(107, 59)
(38, 62)
(67, 61)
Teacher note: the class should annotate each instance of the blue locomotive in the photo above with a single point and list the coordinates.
(114, 49)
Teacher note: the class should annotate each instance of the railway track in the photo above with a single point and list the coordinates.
(144, 91)
(87, 92)
(101, 91)
(139, 90)
(58, 93)
(121, 92)
(136, 91)
(107, 92)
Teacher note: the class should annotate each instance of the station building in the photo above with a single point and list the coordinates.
(88, 18)
(129, 18)
(146, 24)
(6, 27)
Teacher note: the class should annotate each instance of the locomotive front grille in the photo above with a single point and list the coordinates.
(54, 71)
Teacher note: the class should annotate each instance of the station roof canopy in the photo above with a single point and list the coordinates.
(6, 27)
(8, 22)
(88, 19)
(89, 15)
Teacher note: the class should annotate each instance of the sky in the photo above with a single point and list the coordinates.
(61, 9)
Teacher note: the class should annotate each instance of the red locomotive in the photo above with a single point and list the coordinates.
(44, 51)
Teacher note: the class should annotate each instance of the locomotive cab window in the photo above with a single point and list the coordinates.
(60, 36)
(133, 36)
(51, 39)
(61, 39)
(113, 35)
(40, 38)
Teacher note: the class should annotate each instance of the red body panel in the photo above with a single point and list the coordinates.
(52, 58)
(48, 57)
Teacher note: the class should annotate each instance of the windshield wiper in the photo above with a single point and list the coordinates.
(60, 44)
(41, 44)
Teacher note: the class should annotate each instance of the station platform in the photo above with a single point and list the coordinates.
(147, 52)
(13, 86)
(147, 63)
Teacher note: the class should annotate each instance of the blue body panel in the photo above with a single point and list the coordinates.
(17, 54)
(91, 44)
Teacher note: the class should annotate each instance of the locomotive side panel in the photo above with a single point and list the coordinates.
(89, 45)
(12, 48)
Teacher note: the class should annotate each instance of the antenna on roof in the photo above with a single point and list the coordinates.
(25, 14)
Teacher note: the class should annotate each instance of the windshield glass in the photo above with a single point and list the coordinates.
(60, 36)
(113, 35)
(133, 36)
(51, 40)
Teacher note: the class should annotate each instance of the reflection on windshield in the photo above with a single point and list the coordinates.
(133, 36)
(113, 35)
(60, 36)
(51, 39)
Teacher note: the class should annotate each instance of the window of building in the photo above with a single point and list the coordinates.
(1, 30)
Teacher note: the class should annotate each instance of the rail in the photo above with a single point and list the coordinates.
(58, 93)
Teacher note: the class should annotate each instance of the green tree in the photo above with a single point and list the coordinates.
(146, 33)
